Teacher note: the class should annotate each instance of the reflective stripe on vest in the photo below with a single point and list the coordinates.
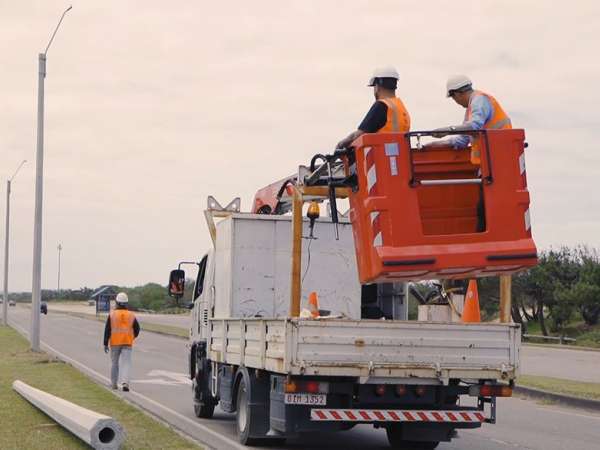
(498, 121)
(398, 120)
(121, 327)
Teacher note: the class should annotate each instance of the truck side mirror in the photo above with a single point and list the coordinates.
(176, 283)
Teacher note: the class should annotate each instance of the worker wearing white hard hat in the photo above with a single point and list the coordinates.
(387, 114)
(120, 331)
(482, 112)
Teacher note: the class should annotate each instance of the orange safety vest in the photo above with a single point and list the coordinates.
(121, 327)
(398, 120)
(498, 121)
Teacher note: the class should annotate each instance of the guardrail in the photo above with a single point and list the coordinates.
(561, 339)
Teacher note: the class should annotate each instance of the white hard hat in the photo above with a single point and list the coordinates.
(384, 72)
(122, 297)
(456, 82)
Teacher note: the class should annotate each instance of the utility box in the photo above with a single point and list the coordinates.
(443, 313)
(253, 267)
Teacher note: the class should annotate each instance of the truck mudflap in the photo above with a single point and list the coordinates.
(385, 415)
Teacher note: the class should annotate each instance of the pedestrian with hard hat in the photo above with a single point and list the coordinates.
(387, 114)
(120, 331)
(482, 112)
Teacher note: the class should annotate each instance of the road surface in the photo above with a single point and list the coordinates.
(159, 384)
(579, 365)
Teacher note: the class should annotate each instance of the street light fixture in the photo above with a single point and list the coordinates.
(36, 290)
(6, 245)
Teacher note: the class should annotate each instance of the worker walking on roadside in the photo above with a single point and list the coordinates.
(387, 114)
(120, 330)
(482, 112)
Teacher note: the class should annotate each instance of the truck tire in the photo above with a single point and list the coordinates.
(394, 435)
(204, 403)
(243, 414)
(204, 411)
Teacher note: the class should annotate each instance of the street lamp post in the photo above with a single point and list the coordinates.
(36, 290)
(59, 248)
(6, 246)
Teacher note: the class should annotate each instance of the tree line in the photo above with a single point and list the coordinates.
(563, 287)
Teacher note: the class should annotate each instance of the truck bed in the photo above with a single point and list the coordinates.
(369, 348)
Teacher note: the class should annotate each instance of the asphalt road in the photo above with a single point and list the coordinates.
(159, 385)
(579, 365)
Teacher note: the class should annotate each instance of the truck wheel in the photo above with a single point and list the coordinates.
(204, 403)
(204, 411)
(394, 435)
(243, 415)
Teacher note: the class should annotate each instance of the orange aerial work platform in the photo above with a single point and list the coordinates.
(428, 212)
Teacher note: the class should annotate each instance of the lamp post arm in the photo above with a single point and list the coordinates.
(56, 29)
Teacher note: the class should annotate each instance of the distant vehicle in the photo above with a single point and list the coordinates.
(44, 308)
(12, 303)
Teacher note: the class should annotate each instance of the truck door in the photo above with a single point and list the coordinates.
(203, 295)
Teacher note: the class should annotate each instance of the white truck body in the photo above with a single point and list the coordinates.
(253, 261)
(244, 317)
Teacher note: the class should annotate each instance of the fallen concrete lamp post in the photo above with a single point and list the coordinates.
(99, 431)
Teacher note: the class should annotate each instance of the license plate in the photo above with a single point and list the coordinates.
(306, 399)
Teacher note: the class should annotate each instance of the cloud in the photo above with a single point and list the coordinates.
(150, 108)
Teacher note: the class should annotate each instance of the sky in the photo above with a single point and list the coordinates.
(151, 106)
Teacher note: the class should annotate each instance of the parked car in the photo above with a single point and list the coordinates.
(44, 308)
(12, 303)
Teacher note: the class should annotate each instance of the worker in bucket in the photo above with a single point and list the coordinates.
(120, 330)
(387, 114)
(482, 112)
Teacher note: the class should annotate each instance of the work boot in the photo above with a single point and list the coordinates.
(125, 387)
(115, 387)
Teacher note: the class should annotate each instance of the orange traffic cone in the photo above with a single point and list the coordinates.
(313, 304)
(471, 312)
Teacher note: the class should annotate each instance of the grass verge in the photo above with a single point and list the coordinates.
(26, 427)
(580, 389)
(154, 327)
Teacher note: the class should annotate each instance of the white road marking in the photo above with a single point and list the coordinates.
(172, 378)
(157, 381)
(91, 372)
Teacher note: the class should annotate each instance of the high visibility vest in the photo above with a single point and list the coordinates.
(398, 120)
(121, 327)
(498, 121)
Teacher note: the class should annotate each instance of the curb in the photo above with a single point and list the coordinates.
(575, 402)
